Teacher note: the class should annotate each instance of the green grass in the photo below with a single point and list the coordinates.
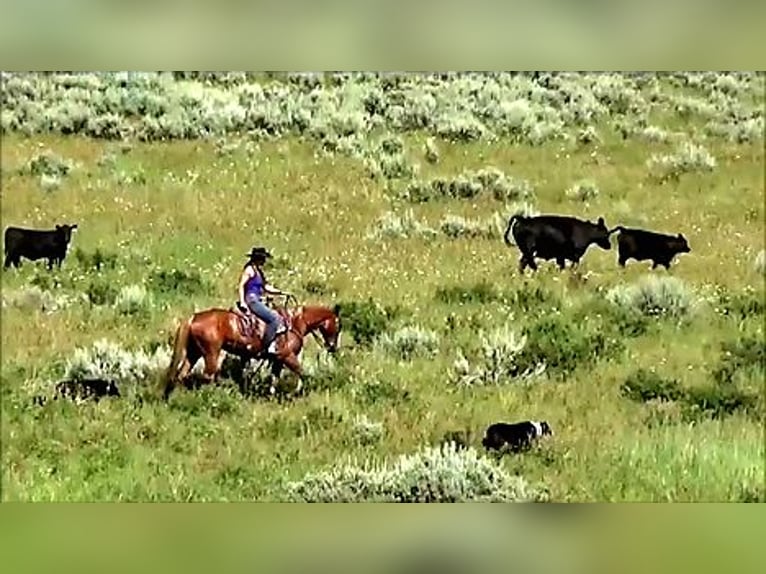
(198, 213)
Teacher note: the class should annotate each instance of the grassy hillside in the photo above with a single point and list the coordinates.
(653, 381)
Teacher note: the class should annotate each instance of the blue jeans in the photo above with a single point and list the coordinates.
(271, 318)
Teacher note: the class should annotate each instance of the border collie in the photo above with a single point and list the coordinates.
(516, 436)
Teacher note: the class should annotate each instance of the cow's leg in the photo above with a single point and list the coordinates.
(561, 262)
(528, 258)
(8, 261)
(50, 263)
(522, 263)
(655, 263)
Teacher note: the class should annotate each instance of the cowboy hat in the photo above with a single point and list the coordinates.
(258, 252)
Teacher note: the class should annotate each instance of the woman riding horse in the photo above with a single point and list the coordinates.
(252, 286)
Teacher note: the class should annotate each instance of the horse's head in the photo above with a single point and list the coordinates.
(326, 321)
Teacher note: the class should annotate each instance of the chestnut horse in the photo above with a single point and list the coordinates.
(206, 333)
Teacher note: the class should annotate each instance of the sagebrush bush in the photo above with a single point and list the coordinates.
(392, 225)
(365, 320)
(133, 300)
(468, 185)
(588, 135)
(501, 361)
(623, 321)
(655, 296)
(456, 227)
(365, 431)
(584, 190)
(655, 134)
(108, 360)
(687, 158)
(34, 298)
(459, 107)
(49, 182)
(48, 164)
(409, 342)
(429, 475)
(392, 166)
(431, 151)
(562, 345)
(480, 292)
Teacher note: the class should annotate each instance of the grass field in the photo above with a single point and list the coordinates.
(171, 222)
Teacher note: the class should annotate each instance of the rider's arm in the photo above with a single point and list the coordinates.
(247, 272)
(271, 290)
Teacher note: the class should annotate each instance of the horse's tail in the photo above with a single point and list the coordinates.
(507, 234)
(179, 355)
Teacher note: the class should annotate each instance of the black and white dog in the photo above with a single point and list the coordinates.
(516, 436)
(82, 389)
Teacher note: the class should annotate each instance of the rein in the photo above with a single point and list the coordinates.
(293, 329)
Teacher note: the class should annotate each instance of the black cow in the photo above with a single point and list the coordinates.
(641, 245)
(37, 244)
(558, 237)
(515, 436)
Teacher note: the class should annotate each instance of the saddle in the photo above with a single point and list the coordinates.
(250, 325)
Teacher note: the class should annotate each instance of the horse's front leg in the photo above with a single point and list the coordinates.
(292, 363)
(276, 372)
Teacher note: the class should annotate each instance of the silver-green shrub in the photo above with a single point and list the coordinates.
(108, 360)
(655, 296)
(431, 474)
(409, 342)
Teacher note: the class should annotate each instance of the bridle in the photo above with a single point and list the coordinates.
(319, 339)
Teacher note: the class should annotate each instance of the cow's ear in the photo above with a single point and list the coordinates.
(74, 226)
(601, 222)
(58, 227)
(680, 236)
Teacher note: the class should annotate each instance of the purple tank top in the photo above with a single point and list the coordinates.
(254, 285)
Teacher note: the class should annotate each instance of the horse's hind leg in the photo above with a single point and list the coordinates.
(192, 356)
(212, 365)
